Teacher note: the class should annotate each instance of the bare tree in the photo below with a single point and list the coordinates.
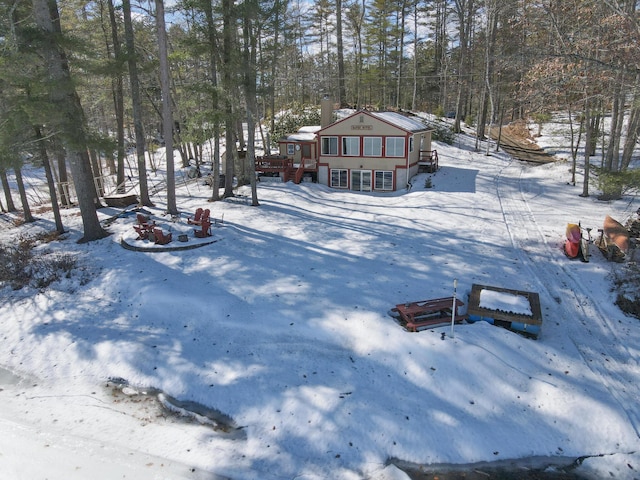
(355, 17)
(26, 210)
(7, 191)
(465, 10)
(228, 62)
(213, 49)
(342, 93)
(167, 115)
(250, 32)
(55, 207)
(136, 101)
(118, 94)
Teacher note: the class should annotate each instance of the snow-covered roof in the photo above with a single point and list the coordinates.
(304, 134)
(399, 120)
(301, 137)
(309, 129)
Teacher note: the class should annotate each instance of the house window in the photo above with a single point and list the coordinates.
(395, 147)
(410, 144)
(384, 180)
(329, 145)
(361, 180)
(290, 149)
(339, 178)
(350, 146)
(372, 146)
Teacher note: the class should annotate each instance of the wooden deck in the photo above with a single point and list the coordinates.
(285, 166)
(121, 200)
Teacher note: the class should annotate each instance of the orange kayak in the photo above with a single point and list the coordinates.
(572, 245)
(617, 233)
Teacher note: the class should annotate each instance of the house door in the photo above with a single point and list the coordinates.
(306, 150)
(361, 180)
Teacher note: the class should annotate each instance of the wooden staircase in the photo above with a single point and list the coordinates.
(428, 161)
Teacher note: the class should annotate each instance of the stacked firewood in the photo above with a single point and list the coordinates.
(633, 225)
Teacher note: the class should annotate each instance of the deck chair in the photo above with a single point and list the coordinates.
(197, 218)
(205, 229)
(143, 227)
(160, 237)
(142, 232)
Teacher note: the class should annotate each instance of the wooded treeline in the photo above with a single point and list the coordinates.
(82, 80)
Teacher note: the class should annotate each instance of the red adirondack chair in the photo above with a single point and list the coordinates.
(142, 232)
(197, 218)
(160, 237)
(143, 227)
(205, 225)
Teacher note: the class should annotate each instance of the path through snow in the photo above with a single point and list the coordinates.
(601, 343)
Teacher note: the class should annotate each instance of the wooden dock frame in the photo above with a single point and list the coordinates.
(437, 312)
(527, 325)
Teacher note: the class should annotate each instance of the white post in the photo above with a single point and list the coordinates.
(453, 307)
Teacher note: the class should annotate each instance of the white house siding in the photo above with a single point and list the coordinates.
(323, 175)
(377, 125)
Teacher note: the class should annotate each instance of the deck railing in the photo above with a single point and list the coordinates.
(299, 173)
(429, 160)
(285, 165)
(273, 163)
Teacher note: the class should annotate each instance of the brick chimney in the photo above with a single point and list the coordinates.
(326, 112)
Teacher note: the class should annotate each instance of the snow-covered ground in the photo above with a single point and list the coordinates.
(281, 328)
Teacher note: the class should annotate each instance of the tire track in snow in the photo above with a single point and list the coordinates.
(600, 344)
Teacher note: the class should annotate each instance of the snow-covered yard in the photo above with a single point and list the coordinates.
(281, 326)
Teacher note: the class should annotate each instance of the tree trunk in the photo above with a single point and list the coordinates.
(633, 129)
(250, 78)
(587, 150)
(136, 102)
(28, 217)
(633, 133)
(440, 50)
(490, 42)
(97, 175)
(575, 144)
(227, 56)
(612, 154)
(7, 191)
(414, 93)
(215, 102)
(400, 50)
(55, 207)
(63, 177)
(464, 10)
(167, 116)
(118, 98)
(342, 92)
(70, 123)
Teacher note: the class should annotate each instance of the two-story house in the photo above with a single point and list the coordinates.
(364, 151)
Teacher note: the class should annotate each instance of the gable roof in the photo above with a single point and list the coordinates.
(394, 119)
(300, 137)
(400, 121)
